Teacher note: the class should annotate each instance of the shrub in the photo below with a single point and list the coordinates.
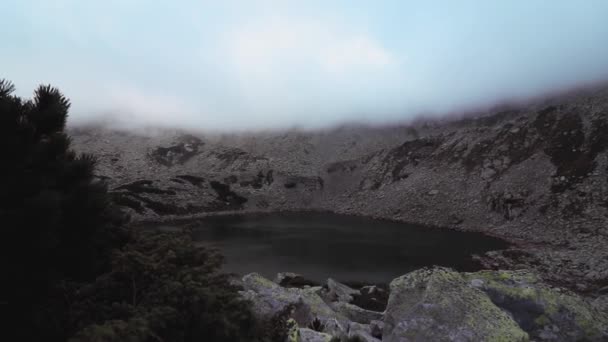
(163, 286)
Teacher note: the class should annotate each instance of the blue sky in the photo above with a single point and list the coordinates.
(235, 65)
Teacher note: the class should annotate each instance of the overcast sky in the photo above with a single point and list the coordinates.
(234, 65)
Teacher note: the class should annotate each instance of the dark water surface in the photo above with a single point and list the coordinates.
(347, 248)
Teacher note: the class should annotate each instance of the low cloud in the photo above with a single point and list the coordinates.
(278, 64)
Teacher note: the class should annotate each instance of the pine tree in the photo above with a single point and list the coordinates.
(55, 216)
(70, 271)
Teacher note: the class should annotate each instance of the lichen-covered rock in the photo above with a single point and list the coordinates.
(293, 331)
(439, 305)
(545, 313)
(268, 298)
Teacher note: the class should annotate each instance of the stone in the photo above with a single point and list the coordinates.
(340, 292)
(548, 335)
(376, 328)
(268, 298)
(355, 313)
(591, 275)
(361, 331)
(477, 283)
(335, 327)
(434, 192)
(456, 220)
(309, 335)
(543, 311)
(439, 305)
(487, 173)
(370, 289)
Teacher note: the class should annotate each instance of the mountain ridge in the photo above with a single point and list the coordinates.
(535, 175)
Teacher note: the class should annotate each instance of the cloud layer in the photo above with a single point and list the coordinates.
(274, 64)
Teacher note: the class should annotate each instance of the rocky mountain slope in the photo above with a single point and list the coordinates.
(535, 174)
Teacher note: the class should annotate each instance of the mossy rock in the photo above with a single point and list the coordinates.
(542, 311)
(439, 305)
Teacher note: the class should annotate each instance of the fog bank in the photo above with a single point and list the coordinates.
(281, 64)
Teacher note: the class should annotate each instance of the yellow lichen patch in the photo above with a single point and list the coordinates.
(442, 298)
(554, 307)
(293, 333)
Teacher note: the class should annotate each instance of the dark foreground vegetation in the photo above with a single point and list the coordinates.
(73, 271)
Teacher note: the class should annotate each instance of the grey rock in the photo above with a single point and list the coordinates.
(335, 327)
(477, 283)
(488, 173)
(282, 276)
(340, 292)
(355, 313)
(439, 305)
(362, 331)
(268, 298)
(376, 328)
(309, 335)
(545, 312)
(370, 289)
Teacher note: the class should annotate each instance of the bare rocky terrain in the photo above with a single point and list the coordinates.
(535, 175)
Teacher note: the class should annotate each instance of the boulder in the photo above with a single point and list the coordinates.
(376, 328)
(335, 327)
(340, 292)
(545, 313)
(436, 304)
(439, 305)
(355, 313)
(361, 331)
(309, 335)
(268, 299)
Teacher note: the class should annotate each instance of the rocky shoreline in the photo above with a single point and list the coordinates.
(431, 304)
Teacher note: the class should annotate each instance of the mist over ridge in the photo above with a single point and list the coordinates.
(270, 65)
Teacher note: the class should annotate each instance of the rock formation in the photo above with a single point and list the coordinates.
(437, 304)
